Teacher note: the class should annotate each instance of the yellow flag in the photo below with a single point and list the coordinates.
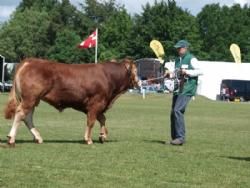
(158, 49)
(235, 50)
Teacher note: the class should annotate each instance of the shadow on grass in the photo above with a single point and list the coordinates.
(76, 141)
(155, 141)
(3, 143)
(239, 158)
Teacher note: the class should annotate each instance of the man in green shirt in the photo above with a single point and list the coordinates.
(186, 80)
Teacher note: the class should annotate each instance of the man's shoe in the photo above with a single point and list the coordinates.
(177, 142)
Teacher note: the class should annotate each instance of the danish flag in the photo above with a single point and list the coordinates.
(90, 41)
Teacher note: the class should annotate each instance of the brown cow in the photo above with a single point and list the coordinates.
(89, 88)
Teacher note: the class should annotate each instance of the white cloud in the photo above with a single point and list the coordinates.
(242, 2)
(6, 11)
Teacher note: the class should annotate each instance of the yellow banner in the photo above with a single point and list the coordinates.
(235, 50)
(157, 47)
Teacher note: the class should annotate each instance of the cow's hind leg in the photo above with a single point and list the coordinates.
(19, 116)
(29, 123)
(24, 112)
(103, 131)
(91, 118)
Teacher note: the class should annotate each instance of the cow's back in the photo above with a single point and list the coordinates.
(71, 85)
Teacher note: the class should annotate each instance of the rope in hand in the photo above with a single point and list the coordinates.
(152, 79)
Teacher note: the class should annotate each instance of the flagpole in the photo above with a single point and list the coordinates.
(96, 46)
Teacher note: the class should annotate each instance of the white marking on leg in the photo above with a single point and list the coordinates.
(87, 136)
(29, 123)
(13, 131)
(103, 131)
(36, 135)
(91, 118)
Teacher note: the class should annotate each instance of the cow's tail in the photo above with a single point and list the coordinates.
(13, 102)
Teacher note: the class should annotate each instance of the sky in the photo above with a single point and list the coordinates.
(133, 6)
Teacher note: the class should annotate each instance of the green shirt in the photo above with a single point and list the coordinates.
(187, 85)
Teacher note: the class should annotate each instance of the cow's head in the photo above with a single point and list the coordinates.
(132, 72)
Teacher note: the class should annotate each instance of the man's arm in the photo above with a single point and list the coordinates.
(196, 68)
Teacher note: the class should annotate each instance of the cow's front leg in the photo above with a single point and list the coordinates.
(91, 118)
(103, 131)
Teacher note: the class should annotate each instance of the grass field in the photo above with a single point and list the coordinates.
(217, 152)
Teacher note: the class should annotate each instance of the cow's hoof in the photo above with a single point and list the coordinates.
(88, 142)
(38, 141)
(4, 145)
(10, 142)
(102, 139)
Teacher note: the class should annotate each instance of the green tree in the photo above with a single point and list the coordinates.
(25, 36)
(240, 30)
(222, 26)
(45, 5)
(168, 23)
(213, 26)
(114, 24)
(53, 28)
(98, 12)
(65, 49)
(35, 27)
(115, 35)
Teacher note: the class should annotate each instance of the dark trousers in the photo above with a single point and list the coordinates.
(179, 104)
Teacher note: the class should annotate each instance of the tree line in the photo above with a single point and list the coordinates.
(53, 29)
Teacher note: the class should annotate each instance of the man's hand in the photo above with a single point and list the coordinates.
(183, 72)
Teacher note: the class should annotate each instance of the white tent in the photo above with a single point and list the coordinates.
(215, 72)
